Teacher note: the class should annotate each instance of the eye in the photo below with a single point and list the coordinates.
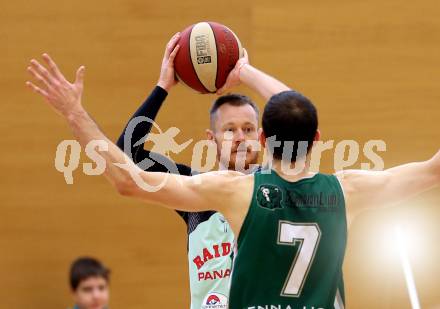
(230, 130)
(249, 130)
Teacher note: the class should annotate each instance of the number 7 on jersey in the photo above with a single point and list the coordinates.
(308, 236)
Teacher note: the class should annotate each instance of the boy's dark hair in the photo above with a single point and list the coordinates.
(290, 116)
(84, 268)
(231, 99)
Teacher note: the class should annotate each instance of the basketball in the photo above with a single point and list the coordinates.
(208, 52)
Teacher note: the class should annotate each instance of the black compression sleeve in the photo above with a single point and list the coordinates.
(149, 109)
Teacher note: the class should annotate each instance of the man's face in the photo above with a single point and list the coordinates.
(241, 123)
(92, 293)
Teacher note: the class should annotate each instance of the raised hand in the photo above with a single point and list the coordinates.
(234, 76)
(167, 78)
(63, 96)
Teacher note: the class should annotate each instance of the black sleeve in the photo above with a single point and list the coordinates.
(150, 109)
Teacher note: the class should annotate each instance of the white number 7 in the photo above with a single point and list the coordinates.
(308, 236)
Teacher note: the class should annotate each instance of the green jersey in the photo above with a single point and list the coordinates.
(291, 245)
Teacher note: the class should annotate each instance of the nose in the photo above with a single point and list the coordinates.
(239, 136)
(97, 294)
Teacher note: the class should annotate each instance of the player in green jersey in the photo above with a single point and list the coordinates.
(292, 240)
(286, 207)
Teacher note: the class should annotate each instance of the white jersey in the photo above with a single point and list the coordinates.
(210, 253)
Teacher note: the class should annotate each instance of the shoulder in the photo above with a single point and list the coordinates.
(222, 188)
(362, 188)
(353, 180)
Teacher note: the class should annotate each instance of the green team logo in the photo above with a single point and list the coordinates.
(269, 196)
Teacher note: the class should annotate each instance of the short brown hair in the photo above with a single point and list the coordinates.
(234, 100)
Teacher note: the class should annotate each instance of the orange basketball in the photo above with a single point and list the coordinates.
(208, 52)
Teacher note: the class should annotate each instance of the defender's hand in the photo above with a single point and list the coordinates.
(63, 96)
(167, 78)
(234, 76)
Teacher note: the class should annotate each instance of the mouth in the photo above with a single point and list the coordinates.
(241, 151)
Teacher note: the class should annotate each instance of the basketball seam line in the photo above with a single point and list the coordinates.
(192, 63)
(218, 57)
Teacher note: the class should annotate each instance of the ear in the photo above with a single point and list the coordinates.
(262, 137)
(317, 136)
(210, 135)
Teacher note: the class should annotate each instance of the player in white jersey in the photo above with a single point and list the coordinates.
(210, 239)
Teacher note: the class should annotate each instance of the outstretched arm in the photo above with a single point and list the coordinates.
(202, 192)
(262, 83)
(367, 189)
